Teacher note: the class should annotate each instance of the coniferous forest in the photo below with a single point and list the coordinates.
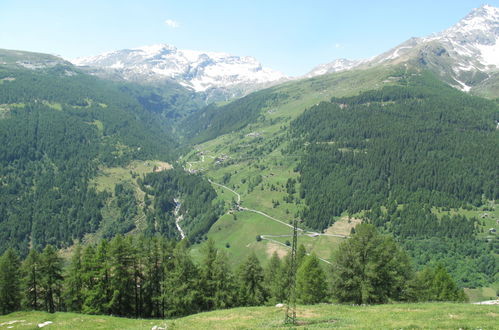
(140, 276)
(400, 152)
(400, 157)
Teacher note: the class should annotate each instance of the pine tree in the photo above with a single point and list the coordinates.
(122, 284)
(73, 282)
(311, 284)
(96, 274)
(225, 286)
(153, 275)
(301, 253)
(207, 274)
(435, 284)
(181, 286)
(10, 294)
(273, 279)
(369, 268)
(51, 278)
(31, 278)
(251, 287)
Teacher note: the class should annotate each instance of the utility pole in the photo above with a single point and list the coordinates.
(291, 298)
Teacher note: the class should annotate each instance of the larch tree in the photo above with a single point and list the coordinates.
(369, 268)
(10, 294)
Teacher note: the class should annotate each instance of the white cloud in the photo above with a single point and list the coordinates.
(339, 46)
(172, 23)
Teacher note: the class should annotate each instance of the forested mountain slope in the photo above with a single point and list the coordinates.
(420, 141)
(400, 149)
(59, 128)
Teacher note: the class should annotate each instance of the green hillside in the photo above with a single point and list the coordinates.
(72, 147)
(396, 316)
(328, 154)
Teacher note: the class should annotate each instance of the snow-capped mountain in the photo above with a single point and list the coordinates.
(200, 71)
(464, 55)
(338, 65)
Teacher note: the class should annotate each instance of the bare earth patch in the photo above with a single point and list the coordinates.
(343, 226)
(273, 247)
(161, 166)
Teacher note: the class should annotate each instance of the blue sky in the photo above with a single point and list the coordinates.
(292, 36)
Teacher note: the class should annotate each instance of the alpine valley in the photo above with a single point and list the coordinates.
(168, 168)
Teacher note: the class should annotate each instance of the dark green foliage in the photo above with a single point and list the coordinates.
(57, 126)
(435, 284)
(140, 276)
(419, 142)
(127, 205)
(196, 196)
(251, 287)
(31, 278)
(10, 290)
(417, 220)
(370, 268)
(311, 284)
(213, 121)
(96, 279)
(273, 279)
(122, 283)
(182, 293)
(449, 240)
(73, 282)
(51, 279)
(217, 283)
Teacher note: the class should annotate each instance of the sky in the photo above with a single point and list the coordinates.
(291, 36)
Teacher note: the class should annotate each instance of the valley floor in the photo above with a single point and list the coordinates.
(429, 315)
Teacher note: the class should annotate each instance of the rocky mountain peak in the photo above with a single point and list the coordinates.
(201, 71)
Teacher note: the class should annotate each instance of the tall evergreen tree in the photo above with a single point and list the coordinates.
(208, 281)
(10, 294)
(51, 278)
(73, 282)
(225, 285)
(273, 279)
(369, 268)
(251, 287)
(311, 284)
(153, 276)
(31, 280)
(122, 284)
(181, 285)
(435, 284)
(96, 272)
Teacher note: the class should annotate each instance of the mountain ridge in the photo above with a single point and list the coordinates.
(463, 55)
(197, 70)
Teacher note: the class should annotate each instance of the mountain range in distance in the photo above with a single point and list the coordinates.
(465, 55)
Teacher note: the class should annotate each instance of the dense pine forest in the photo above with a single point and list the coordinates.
(401, 158)
(58, 127)
(420, 142)
(139, 276)
(406, 149)
(195, 196)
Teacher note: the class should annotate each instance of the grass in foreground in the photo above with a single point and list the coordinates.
(407, 316)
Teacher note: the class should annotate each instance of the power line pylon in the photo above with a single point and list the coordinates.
(291, 297)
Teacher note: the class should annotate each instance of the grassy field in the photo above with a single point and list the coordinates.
(230, 159)
(258, 151)
(396, 316)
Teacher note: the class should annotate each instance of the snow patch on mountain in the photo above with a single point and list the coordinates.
(338, 65)
(193, 69)
(490, 54)
(468, 48)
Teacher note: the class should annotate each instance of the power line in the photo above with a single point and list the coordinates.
(291, 298)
